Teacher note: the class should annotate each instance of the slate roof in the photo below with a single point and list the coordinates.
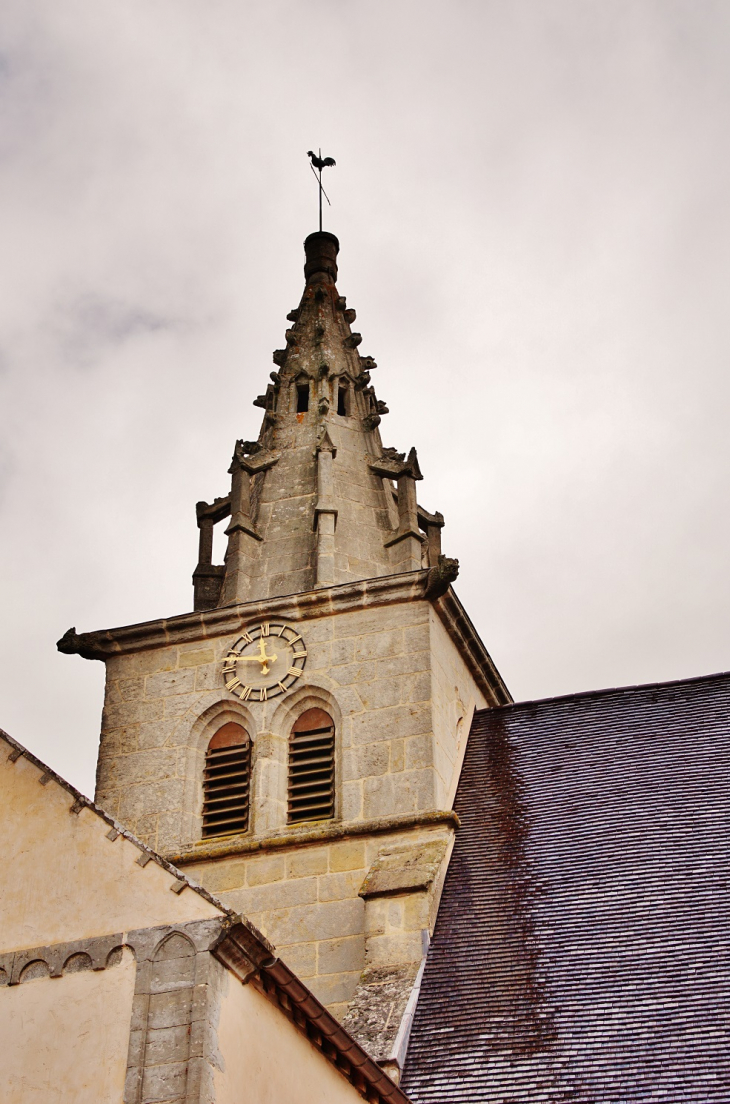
(582, 948)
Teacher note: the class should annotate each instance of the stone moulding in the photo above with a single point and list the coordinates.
(233, 845)
(404, 869)
(409, 586)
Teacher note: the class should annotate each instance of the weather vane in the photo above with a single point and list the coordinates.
(317, 164)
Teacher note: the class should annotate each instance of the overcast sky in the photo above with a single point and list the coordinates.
(532, 202)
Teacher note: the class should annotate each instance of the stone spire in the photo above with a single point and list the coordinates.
(316, 501)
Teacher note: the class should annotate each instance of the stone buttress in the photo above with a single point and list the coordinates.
(333, 572)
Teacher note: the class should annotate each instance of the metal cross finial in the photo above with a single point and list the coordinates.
(317, 163)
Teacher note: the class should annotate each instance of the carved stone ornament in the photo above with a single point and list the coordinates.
(441, 577)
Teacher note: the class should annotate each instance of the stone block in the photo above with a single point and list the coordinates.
(376, 917)
(395, 946)
(146, 830)
(381, 693)
(309, 922)
(315, 632)
(336, 956)
(343, 651)
(347, 855)
(329, 988)
(417, 638)
(135, 801)
(179, 704)
(391, 723)
(140, 1006)
(167, 1044)
(135, 1053)
(351, 800)
(379, 645)
(362, 622)
(419, 751)
(269, 869)
(339, 887)
(164, 1082)
(164, 684)
(171, 974)
(397, 755)
(208, 677)
(221, 876)
(195, 657)
(132, 1084)
(319, 657)
(408, 664)
(417, 911)
(168, 830)
(280, 895)
(156, 734)
(130, 689)
(127, 713)
(307, 862)
(142, 767)
(418, 688)
(339, 1009)
(351, 673)
(404, 867)
(169, 1009)
(373, 759)
(406, 792)
(144, 663)
(302, 959)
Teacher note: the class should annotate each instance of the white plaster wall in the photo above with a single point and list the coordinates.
(265, 1060)
(64, 880)
(66, 1039)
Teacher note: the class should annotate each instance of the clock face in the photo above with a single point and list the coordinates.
(267, 660)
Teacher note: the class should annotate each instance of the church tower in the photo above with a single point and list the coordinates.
(294, 743)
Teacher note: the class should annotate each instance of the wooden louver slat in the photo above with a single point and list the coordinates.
(226, 782)
(312, 767)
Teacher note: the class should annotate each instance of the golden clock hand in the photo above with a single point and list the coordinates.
(265, 659)
(261, 658)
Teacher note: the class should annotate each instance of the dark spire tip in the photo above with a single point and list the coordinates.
(320, 250)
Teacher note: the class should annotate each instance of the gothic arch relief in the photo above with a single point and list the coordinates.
(218, 713)
(308, 701)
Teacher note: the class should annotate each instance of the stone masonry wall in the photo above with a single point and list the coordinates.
(305, 900)
(401, 698)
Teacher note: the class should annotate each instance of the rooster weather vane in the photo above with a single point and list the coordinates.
(317, 163)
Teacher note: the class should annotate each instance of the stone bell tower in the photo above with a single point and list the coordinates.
(295, 742)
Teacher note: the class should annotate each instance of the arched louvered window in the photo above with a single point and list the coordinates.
(312, 767)
(227, 781)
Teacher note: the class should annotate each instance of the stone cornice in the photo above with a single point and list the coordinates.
(408, 586)
(323, 833)
(209, 624)
(461, 630)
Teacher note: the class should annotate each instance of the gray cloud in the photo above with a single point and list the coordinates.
(532, 204)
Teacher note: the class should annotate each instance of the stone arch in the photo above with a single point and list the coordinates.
(173, 946)
(313, 696)
(38, 968)
(219, 712)
(117, 954)
(310, 696)
(77, 962)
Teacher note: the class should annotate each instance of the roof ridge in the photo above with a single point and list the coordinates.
(581, 694)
